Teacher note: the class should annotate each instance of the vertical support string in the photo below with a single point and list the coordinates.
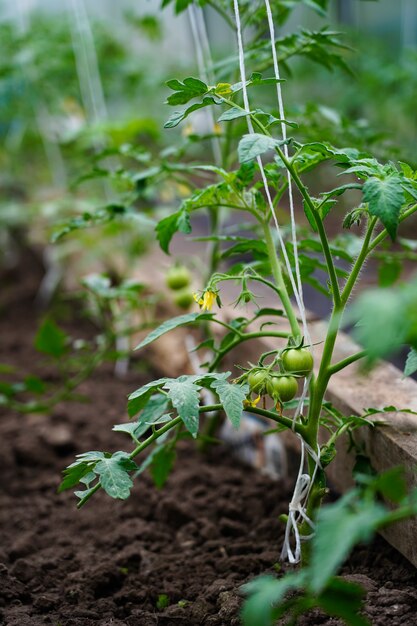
(259, 160)
(205, 64)
(297, 507)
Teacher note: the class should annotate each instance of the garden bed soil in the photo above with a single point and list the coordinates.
(213, 527)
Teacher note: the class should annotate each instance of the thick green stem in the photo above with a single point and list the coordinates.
(337, 367)
(350, 283)
(319, 223)
(280, 284)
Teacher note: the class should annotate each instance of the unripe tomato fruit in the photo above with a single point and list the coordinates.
(257, 380)
(282, 388)
(183, 298)
(298, 361)
(178, 277)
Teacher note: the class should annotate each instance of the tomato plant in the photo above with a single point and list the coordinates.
(261, 169)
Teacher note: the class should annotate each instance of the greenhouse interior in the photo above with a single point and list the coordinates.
(208, 313)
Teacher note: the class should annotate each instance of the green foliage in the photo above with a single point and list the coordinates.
(411, 363)
(162, 464)
(175, 322)
(385, 198)
(253, 145)
(113, 475)
(51, 340)
(185, 398)
(340, 526)
(232, 398)
(378, 192)
(385, 319)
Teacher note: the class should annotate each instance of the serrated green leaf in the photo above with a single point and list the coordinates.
(114, 477)
(385, 197)
(156, 406)
(185, 397)
(232, 398)
(167, 227)
(179, 116)
(73, 475)
(51, 340)
(254, 144)
(187, 90)
(256, 247)
(232, 114)
(140, 398)
(181, 320)
(411, 363)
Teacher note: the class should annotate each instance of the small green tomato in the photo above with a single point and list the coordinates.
(257, 380)
(178, 277)
(298, 361)
(283, 388)
(183, 298)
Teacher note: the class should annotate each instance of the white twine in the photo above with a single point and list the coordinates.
(297, 508)
(204, 64)
(87, 63)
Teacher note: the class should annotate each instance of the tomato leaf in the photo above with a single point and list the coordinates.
(167, 227)
(140, 398)
(254, 144)
(178, 116)
(185, 397)
(411, 363)
(161, 465)
(113, 474)
(187, 90)
(51, 340)
(175, 322)
(232, 398)
(385, 197)
(341, 526)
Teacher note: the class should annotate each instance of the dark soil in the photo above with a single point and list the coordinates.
(213, 527)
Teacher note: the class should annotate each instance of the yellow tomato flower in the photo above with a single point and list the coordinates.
(209, 298)
(252, 403)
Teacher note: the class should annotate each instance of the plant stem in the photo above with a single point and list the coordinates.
(333, 369)
(215, 6)
(350, 283)
(319, 223)
(384, 233)
(279, 419)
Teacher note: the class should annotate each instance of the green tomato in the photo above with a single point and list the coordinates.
(257, 380)
(283, 388)
(298, 361)
(178, 277)
(183, 298)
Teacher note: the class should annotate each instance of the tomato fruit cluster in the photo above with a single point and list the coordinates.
(279, 388)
